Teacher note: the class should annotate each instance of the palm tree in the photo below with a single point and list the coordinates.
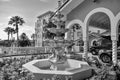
(7, 30)
(16, 21)
(12, 31)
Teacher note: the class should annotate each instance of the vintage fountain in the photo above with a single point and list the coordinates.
(57, 66)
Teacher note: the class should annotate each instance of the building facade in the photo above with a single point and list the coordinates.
(40, 23)
(103, 14)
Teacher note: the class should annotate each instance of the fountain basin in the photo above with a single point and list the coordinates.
(70, 70)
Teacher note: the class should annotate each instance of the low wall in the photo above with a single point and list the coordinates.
(23, 50)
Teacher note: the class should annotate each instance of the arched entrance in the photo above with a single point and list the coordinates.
(117, 40)
(75, 34)
(100, 18)
(98, 28)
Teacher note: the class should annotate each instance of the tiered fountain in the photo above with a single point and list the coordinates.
(57, 66)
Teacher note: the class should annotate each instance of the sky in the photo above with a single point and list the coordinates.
(27, 9)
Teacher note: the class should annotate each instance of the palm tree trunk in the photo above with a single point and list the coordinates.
(8, 36)
(11, 36)
(17, 34)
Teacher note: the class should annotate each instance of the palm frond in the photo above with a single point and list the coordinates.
(16, 20)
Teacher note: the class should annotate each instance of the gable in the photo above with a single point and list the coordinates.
(81, 10)
(70, 6)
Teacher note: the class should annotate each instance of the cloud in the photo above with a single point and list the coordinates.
(5, 0)
(26, 29)
(3, 35)
(44, 0)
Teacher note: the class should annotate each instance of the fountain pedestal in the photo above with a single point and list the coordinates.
(57, 58)
(74, 69)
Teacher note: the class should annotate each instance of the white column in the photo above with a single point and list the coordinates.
(114, 52)
(85, 49)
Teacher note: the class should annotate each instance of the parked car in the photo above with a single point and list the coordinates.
(105, 44)
(104, 51)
